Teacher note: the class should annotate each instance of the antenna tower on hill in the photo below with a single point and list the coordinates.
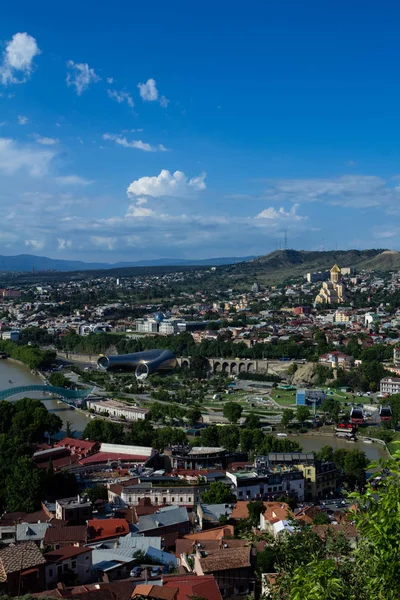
(285, 239)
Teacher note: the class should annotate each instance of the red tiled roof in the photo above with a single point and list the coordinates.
(73, 534)
(273, 510)
(203, 586)
(78, 445)
(216, 533)
(100, 457)
(100, 529)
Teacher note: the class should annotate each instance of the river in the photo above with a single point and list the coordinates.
(313, 443)
(19, 374)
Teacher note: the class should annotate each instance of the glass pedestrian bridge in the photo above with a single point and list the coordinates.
(49, 389)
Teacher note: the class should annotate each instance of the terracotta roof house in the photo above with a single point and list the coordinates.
(216, 533)
(190, 586)
(105, 529)
(158, 592)
(57, 537)
(274, 512)
(22, 569)
(80, 447)
(231, 567)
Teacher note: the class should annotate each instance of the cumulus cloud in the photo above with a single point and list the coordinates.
(148, 91)
(45, 141)
(166, 184)
(18, 56)
(81, 76)
(138, 144)
(137, 209)
(22, 120)
(14, 156)
(281, 214)
(73, 180)
(35, 244)
(121, 97)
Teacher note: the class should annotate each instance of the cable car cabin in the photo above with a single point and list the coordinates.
(385, 413)
(356, 416)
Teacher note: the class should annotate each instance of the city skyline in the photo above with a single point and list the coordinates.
(151, 132)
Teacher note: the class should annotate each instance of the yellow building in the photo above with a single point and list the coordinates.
(332, 291)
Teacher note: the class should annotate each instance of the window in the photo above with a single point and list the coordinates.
(65, 568)
(240, 493)
(156, 500)
(59, 569)
(164, 500)
(86, 557)
(50, 572)
(189, 499)
(181, 499)
(73, 564)
(173, 499)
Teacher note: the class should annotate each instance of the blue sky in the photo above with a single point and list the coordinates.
(142, 130)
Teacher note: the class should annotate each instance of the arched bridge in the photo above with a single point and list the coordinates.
(50, 389)
(231, 366)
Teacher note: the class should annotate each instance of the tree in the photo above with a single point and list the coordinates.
(168, 436)
(58, 380)
(194, 415)
(255, 509)
(97, 492)
(251, 439)
(325, 454)
(23, 486)
(287, 416)
(302, 414)
(199, 366)
(219, 493)
(320, 518)
(232, 411)
(229, 437)
(252, 421)
(69, 432)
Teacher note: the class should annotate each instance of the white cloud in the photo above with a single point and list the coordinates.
(46, 141)
(164, 101)
(22, 120)
(110, 80)
(121, 97)
(18, 58)
(73, 180)
(14, 156)
(281, 214)
(166, 184)
(356, 191)
(107, 243)
(63, 244)
(139, 211)
(36, 244)
(138, 144)
(81, 76)
(148, 91)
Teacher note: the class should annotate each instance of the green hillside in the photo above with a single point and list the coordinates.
(281, 265)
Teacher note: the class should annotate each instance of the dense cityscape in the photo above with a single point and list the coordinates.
(216, 443)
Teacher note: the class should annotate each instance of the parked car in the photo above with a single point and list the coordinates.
(155, 571)
(136, 572)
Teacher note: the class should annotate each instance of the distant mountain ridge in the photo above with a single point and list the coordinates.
(28, 262)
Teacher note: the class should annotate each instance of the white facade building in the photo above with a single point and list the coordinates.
(118, 409)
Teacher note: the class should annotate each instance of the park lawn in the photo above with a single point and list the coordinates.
(286, 397)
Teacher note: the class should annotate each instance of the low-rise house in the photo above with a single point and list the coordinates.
(181, 588)
(77, 447)
(31, 531)
(170, 522)
(22, 569)
(76, 510)
(68, 564)
(216, 533)
(390, 385)
(58, 537)
(167, 490)
(231, 567)
(106, 529)
(258, 485)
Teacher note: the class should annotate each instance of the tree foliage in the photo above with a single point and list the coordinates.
(218, 493)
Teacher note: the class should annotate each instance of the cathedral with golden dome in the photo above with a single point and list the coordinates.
(332, 291)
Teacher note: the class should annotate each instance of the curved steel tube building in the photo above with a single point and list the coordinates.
(143, 363)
